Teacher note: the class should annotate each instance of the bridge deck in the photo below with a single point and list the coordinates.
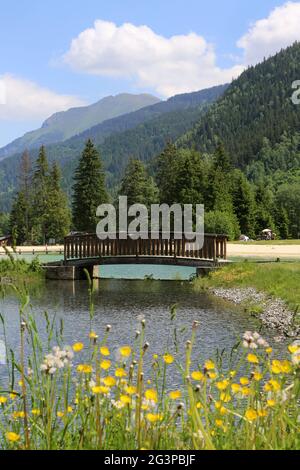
(88, 250)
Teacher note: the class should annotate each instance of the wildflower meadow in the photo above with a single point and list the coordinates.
(84, 397)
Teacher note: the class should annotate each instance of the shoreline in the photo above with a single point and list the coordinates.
(272, 312)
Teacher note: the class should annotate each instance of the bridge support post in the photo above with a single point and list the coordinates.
(80, 272)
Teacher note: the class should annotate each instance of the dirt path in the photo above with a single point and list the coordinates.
(264, 251)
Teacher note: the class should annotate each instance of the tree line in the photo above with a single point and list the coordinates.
(234, 205)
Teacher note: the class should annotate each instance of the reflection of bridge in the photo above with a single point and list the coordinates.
(85, 251)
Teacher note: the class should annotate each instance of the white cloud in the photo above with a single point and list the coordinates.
(168, 65)
(268, 36)
(24, 100)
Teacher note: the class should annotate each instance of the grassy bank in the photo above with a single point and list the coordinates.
(269, 242)
(281, 280)
(17, 272)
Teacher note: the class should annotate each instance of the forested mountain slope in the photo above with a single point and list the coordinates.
(257, 106)
(64, 125)
(142, 134)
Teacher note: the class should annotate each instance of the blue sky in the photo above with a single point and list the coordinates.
(42, 72)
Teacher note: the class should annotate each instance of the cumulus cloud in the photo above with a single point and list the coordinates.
(268, 36)
(169, 65)
(23, 100)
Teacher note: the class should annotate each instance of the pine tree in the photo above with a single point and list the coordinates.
(191, 182)
(20, 217)
(58, 215)
(18, 220)
(281, 219)
(40, 203)
(243, 202)
(137, 185)
(89, 190)
(166, 174)
(219, 189)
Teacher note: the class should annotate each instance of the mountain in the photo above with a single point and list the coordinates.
(142, 133)
(62, 126)
(255, 110)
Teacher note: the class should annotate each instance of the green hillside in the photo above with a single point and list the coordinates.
(62, 126)
(143, 134)
(256, 109)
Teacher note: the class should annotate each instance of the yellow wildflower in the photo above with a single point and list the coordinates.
(18, 415)
(85, 368)
(130, 389)
(120, 373)
(3, 400)
(246, 391)
(100, 389)
(151, 394)
(12, 437)
(262, 413)
(77, 347)
(251, 415)
(125, 351)
(294, 348)
(109, 381)
(168, 359)
(198, 376)
(93, 335)
(222, 385)
(223, 410)
(269, 350)
(209, 365)
(104, 351)
(271, 403)
(13, 395)
(244, 381)
(276, 367)
(125, 399)
(219, 423)
(212, 375)
(257, 376)
(175, 395)
(232, 373)
(253, 359)
(225, 397)
(105, 365)
(236, 388)
(35, 412)
(60, 414)
(286, 367)
(153, 418)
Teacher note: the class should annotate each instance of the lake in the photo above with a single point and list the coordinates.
(122, 304)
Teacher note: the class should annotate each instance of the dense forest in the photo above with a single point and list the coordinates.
(236, 149)
(142, 133)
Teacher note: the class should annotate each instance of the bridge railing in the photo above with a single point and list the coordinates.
(85, 246)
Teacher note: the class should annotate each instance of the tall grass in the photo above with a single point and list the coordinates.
(281, 280)
(80, 397)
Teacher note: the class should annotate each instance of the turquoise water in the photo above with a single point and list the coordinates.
(168, 273)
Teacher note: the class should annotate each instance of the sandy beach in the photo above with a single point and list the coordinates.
(233, 250)
(263, 251)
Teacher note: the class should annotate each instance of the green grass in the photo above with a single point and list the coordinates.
(19, 271)
(270, 242)
(281, 280)
(100, 401)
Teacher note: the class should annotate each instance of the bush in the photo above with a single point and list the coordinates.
(222, 223)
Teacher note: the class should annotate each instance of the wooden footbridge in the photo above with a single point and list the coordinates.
(86, 251)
